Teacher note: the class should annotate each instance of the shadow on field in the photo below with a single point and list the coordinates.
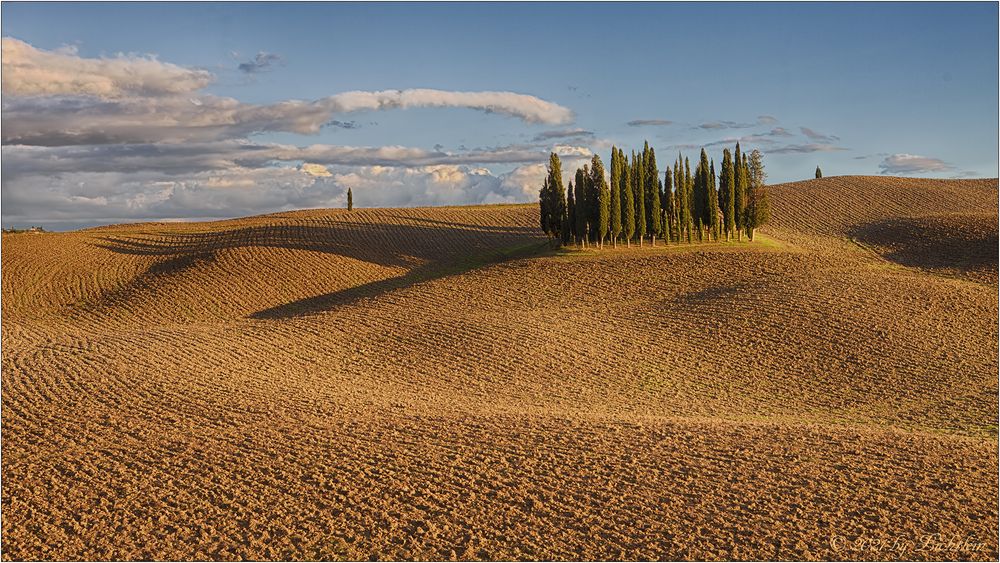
(963, 243)
(427, 248)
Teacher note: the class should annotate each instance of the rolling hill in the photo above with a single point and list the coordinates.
(439, 383)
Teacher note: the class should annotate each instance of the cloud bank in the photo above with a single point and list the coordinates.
(128, 137)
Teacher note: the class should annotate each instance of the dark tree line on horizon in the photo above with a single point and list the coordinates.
(637, 203)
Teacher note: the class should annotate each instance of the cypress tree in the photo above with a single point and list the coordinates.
(570, 214)
(582, 212)
(616, 199)
(702, 183)
(713, 202)
(819, 173)
(639, 197)
(543, 206)
(350, 199)
(689, 189)
(628, 202)
(556, 195)
(652, 178)
(681, 197)
(727, 192)
(668, 206)
(739, 191)
(603, 195)
(757, 210)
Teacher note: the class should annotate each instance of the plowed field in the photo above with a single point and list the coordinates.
(441, 384)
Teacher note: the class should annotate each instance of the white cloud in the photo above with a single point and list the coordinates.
(129, 138)
(902, 163)
(28, 71)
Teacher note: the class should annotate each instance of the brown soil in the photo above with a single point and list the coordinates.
(438, 384)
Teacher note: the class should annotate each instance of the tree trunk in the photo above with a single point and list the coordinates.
(752, 231)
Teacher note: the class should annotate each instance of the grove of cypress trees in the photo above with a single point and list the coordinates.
(616, 200)
(603, 194)
(350, 199)
(628, 202)
(727, 192)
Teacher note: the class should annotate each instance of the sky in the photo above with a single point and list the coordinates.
(166, 111)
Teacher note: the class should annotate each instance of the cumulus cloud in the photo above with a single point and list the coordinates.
(766, 119)
(648, 122)
(88, 141)
(262, 62)
(902, 163)
(28, 71)
(59, 98)
(88, 198)
(817, 136)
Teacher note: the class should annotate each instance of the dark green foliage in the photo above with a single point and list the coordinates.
(757, 210)
(616, 199)
(571, 232)
(739, 188)
(638, 184)
(689, 189)
(582, 212)
(603, 197)
(819, 173)
(543, 206)
(350, 200)
(628, 201)
(713, 202)
(651, 191)
(727, 192)
(552, 200)
(667, 197)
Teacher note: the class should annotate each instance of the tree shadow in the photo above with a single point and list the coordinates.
(964, 244)
(426, 248)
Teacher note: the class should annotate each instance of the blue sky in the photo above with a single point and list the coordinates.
(899, 88)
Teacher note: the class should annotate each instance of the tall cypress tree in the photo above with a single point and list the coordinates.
(603, 195)
(739, 190)
(713, 202)
(757, 210)
(582, 212)
(819, 173)
(727, 192)
(689, 188)
(616, 199)
(652, 178)
(668, 205)
(639, 197)
(570, 214)
(628, 202)
(556, 195)
(543, 206)
(350, 198)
